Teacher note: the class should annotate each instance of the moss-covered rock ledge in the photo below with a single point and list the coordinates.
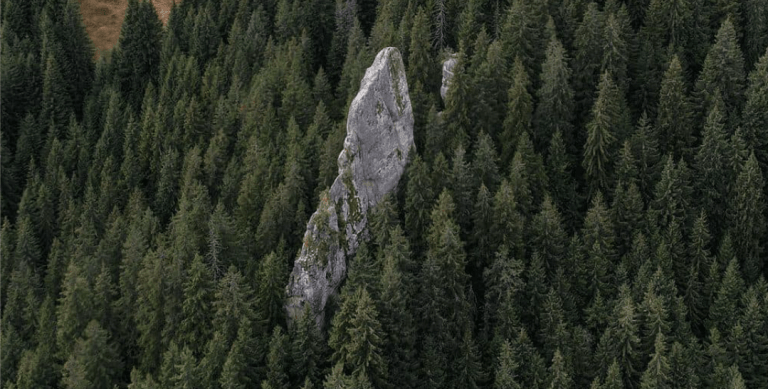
(379, 137)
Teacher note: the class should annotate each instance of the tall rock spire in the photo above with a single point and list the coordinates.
(379, 137)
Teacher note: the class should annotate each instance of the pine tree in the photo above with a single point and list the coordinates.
(270, 295)
(491, 84)
(396, 319)
(747, 220)
(418, 199)
(727, 299)
(755, 32)
(756, 341)
(420, 62)
(625, 342)
(700, 260)
(505, 377)
(467, 368)
(93, 361)
(364, 352)
(549, 237)
(674, 120)
(608, 128)
(306, 348)
(656, 374)
(137, 57)
(508, 222)
(724, 69)
(445, 309)
(616, 48)
(277, 361)
(522, 34)
(484, 162)
(555, 111)
(198, 295)
(754, 117)
(519, 111)
(714, 178)
(562, 185)
(482, 223)
(560, 378)
(56, 105)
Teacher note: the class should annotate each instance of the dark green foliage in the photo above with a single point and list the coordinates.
(555, 113)
(136, 60)
(595, 179)
(746, 216)
(674, 120)
(723, 69)
(519, 111)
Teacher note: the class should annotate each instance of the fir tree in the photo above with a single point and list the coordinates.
(724, 69)
(93, 361)
(505, 377)
(138, 55)
(754, 117)
(277, 361)
(556, 108)
(746, 216)
(519, 111)
(674, 120)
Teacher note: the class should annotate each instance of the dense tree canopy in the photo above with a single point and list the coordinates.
(586, 208)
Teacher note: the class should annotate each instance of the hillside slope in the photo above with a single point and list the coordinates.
(103, 19)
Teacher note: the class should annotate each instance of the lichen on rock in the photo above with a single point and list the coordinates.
(379, 137)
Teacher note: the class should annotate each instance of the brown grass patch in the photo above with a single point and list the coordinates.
(104, 18)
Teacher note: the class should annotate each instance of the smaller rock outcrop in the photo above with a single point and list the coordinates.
(448, 66)
(379, 137)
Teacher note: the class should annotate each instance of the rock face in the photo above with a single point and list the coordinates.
(448, 65)
(379, 137)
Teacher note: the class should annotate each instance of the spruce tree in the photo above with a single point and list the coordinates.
(555, 111)
(94, 362)
(559, 376)
(607, 129)
(277, 361)
(724, 69)
(198, 295)
(674, 121)
(418, 199)
(137, 57)
(519, 111)
(726, 299)
(747, 219)
(656, 374)
(364, 350)
(755, 116)
(505, 377)
(714, 178)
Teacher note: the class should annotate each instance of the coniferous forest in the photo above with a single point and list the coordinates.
(587, 210)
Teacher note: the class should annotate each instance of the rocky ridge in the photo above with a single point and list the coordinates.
(379, 138)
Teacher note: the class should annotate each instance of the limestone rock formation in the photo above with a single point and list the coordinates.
(448, 66)
(379, 137)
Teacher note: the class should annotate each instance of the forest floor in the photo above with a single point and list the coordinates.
(104, 18)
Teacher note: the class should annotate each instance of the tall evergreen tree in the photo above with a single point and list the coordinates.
(674, 120)
(519, 111)
(755, 118)
(137, 57)
(747, 219)
(724, 69)
(555, 111)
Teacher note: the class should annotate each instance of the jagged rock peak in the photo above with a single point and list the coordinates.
(379, 137)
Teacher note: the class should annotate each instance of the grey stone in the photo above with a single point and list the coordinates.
(379, 137)
(448, 66)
